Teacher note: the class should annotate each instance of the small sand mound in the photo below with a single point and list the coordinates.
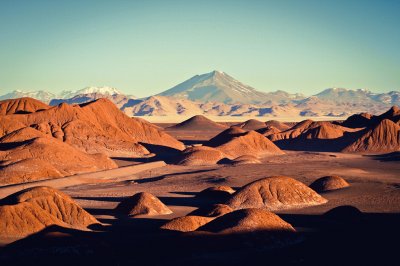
(219, 193)
(268, 131)
(33, 209)
(251, 143)
(251, 124)
(248, 220)
(214, 210)
(21, 106)
(142, 204)
(186, 223)
(276, 124)
(198, 122)
(225, 136)
(246, 159)
(328, 183)
(275, 193)
(200, 155)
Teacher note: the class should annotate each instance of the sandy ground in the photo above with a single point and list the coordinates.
(375, 184)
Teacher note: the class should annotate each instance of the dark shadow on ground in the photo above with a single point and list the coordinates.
(342, 237)
(387, 157)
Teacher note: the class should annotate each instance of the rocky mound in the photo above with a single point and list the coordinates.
(142, 204)
(268, 131)
(358, 120)
(95, 127)
(214, 210)
(328, 183)
(248, 220)
(21, 106)
(309, 129)
(251, 124)
(275, 193)
(198, 122)
(246, 159)
(294, 131)
(186, 223)
(200, 155)
(219, 193)
(33, 209)
(29, 155)
(251, 143)
(225, 136)
(384, 137)
(278, 125)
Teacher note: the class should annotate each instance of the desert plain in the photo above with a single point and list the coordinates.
(86, 184)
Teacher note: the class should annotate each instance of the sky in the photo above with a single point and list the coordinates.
(146, 47)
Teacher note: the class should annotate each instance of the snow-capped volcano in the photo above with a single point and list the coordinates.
(216, 86)
(89, 90)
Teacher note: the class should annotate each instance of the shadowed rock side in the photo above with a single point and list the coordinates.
(252, 124)
(142, 204)
(358, 121)
(29, 155)
(21, 106)
(94, 127)
(328, 183)
(186, 223)
(34, 209)
(198, 122)
(200, 155)
(275, 193)
(214, 210)
(247, 220)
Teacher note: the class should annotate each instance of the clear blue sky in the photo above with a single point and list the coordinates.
(145, 47)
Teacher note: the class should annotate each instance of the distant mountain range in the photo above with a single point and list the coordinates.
(217, 93)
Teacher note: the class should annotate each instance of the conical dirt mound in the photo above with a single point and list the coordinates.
(248, 220)
(252, 124)
(198, 122)
(275, 193)
(329, 183)
(142, 204)
(186, 223)
(33, 209)
(251, 143)
(200, 155)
